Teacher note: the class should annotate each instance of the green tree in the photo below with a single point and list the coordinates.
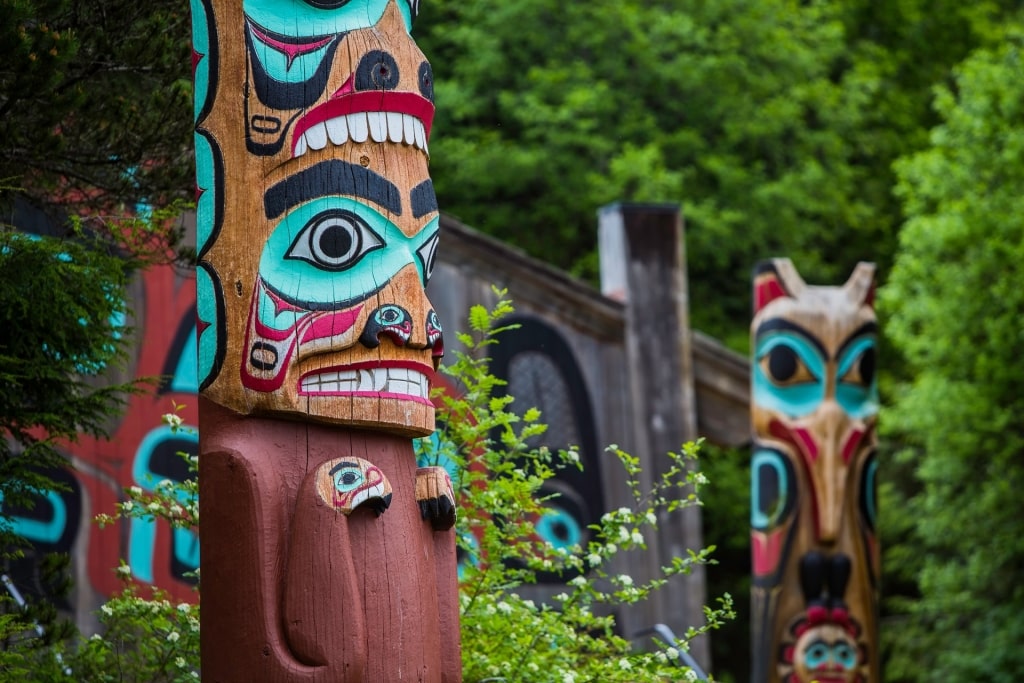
(955, 304)
(95, 100)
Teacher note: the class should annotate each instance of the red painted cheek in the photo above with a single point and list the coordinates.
(767, 548)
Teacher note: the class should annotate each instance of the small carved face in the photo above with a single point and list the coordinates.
(347, 483)
(827, 654)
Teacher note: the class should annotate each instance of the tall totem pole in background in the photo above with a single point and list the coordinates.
(326, 554)
(814, 404)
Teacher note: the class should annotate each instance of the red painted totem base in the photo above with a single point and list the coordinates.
(292, 589)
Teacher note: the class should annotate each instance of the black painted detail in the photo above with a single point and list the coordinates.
(377, 70)
(331, 177)
(268, 125)
(334, 240)
(258, 362)
(288, 96)
(782, 363)
(423, 199)
(327, 4)
(426, 81)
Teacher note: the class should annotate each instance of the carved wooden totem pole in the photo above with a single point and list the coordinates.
(326, 554)
(814, 404)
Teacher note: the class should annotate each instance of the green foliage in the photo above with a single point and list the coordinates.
(95, 100)
(506, 637)
(955, 302)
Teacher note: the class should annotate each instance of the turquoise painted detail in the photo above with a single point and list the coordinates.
(186, 373)
(201, 45)
(288, 68)
(766, 514)
(37, 530)
(297, 267)
(795, 400)
(298, 18)
(142, 532)
(859, 401)
(206, 207)
(206, 311)
(559, 527)
(869, 491)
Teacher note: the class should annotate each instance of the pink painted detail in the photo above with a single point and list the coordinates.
(344, 500)
(869, 299)
(292, 50)
(325, 325)
(850, 447)
(346, 88)
(199, 192)
(797, 436)
(766, 549)
(409, 103)
(767, 291)
(369, 394)
(196, 58)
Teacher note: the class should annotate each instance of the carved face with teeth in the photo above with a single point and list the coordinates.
(350, 72)
(320, 235)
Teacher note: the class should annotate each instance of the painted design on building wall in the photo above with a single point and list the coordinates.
(322, 244)
(814, 408)
(542, 372)
(347, 483)
(141, 452)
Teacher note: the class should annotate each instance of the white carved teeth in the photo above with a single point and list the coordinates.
(359, 127)
(401, 381)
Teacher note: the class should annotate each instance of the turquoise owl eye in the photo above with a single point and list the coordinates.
(789, 371)
(334, 240)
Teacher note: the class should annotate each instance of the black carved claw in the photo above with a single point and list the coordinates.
(440, 511)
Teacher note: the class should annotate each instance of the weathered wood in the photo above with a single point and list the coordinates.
(643, 263)
(814, 407)
(326, 555)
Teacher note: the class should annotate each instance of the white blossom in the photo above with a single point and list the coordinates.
(136, 490)
(594, 559)
(625, 579)
(107, 610)
(637, 537)
(173, 636)
(624, 664)
(172, 420)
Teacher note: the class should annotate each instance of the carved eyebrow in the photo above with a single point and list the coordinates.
(862, 331)
(331, 177)
(781, 325)
(423, 199)
(341, 465)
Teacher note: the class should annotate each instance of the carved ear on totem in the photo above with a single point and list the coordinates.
(860, 288)
(774, 279)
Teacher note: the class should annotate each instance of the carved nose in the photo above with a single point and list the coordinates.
(830, 469)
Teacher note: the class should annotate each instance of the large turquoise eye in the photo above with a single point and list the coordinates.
(334, 240)
(817, 654)
(347, 478)
(789, 372)
(773, 489)
(844, 655)
(857, 388)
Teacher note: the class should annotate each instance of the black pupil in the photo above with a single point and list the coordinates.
(335, 241)
(867, 366)
(782, 363)
(768, 488)
(390, 315)
(348, 478)
(560, 530)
